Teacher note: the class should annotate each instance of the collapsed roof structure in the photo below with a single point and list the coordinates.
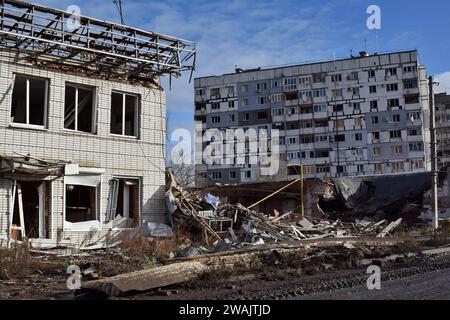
(54, 37)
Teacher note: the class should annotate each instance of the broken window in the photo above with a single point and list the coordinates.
(31, 209)
(124, 114)
(29, 101)
(124, 200)
(79, 109)
(81, 203)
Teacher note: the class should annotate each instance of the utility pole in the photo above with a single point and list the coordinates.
(434, 158)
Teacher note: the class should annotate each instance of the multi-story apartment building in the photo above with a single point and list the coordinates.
(442, 103)
(364, 115)
(82, 125)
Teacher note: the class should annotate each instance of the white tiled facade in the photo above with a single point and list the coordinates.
(142, 158)
(360, 116)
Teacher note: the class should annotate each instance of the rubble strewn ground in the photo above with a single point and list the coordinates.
(284, 256)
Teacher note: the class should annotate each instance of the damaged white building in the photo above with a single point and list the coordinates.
(82, 124)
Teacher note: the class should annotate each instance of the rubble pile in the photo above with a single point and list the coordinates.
(239, 226)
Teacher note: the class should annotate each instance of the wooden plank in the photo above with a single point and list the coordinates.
(21, 216)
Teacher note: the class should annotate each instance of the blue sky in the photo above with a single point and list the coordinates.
(250, 33)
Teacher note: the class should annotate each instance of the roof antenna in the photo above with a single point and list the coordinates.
(118, 4)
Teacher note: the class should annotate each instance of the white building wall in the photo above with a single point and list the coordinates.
(142, 158)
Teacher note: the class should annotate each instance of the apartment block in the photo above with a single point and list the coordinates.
(82, 126)
(442, 105)
(360, 116)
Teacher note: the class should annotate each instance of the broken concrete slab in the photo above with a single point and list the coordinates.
(148, 279)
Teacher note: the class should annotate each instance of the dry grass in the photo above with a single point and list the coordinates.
(16, 261)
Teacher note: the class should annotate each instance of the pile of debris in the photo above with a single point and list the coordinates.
(235, 225)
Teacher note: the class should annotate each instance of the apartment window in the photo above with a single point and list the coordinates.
(417, 164)
(395, 134)
(338, 108)
(358, 122)
(305, 95)
(275, 84)
(230, 91)
(231, 117)
(244, 103)
(376, 135)
(318, 77)
(232, 175)
(410, 83)
(124, 114)
(356, 106)
(414, 132)
(29, 101)
(278, 112)
(397, 150)
(304, 80)
(321, 138)
(413, 116)
(397, 167)
(231, 104)
(393, 103)
(263, 115)
(355, 91)
(374, 104)
(215, 119)
(323, 169)
(339, 138)
(360, 168)
(277, 97)
(371, 73)
(358, 136)
(392, 87)
(321, 123)
(246, 116)
(262, 100)
(409, 69)
(354, 75)
(261, 86)
(337, 93)
(320, 108)
(79, 108)
(410, 99)
(416, 147)
(307, 139)
(336, 78)
(217, 175)
(320, 93)
(377, 151)
(391, 72)
(340, 169)
(395, 118)
(248, 174)
(215, 93)
(292, 140)
(215, 106)
(373, 89)
(200, 92)
(290, 84)
(321, 154)
(307, 124)
(306, 110)
(375, 120)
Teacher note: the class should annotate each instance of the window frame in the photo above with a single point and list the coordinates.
(94, 107)
(136, 120)
(27, 104)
